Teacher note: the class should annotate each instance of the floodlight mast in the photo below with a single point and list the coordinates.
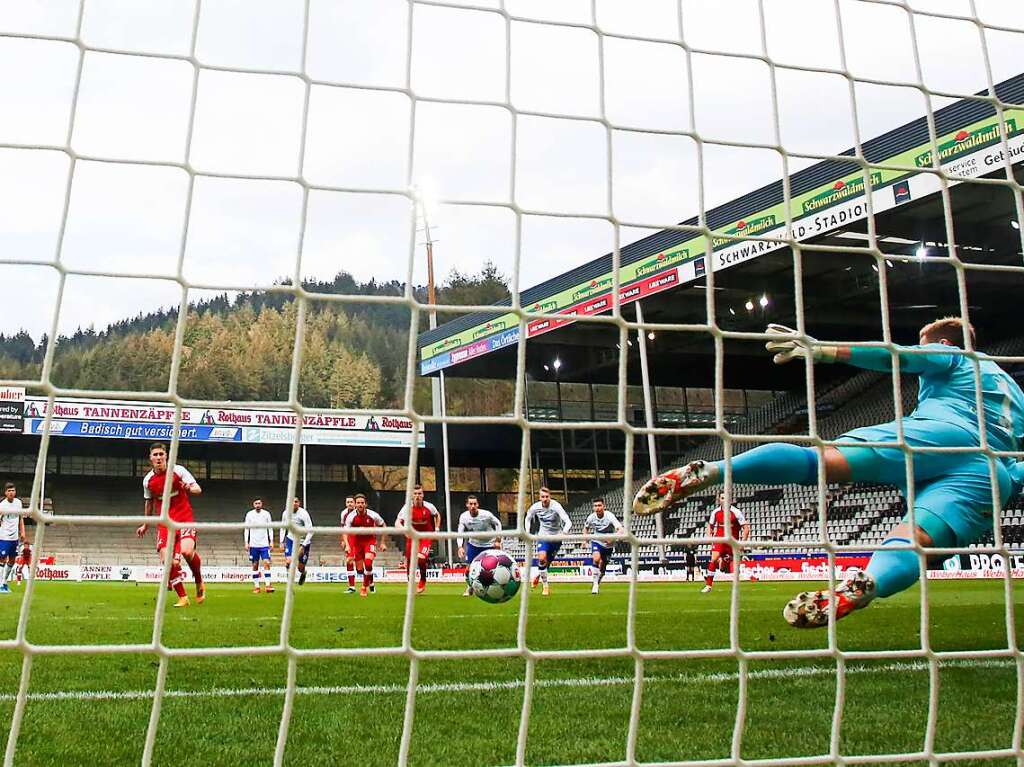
(438, 399)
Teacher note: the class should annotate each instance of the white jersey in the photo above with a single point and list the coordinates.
(483, 521)
(301, 518)
(604, 525)
(9, 519)
(553, 519)
(258, 538)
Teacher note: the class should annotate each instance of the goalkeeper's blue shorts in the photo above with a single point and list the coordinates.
(952, 491)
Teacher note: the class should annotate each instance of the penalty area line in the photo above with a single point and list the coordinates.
(491, 686)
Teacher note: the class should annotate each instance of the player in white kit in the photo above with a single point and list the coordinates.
(477, 520)
(602, 522)
(300, 518)
(553, 521)
(12, 532)
(258, 542)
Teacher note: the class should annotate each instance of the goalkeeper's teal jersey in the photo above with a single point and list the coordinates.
(947, 390)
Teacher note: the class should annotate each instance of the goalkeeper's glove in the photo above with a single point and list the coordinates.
(788, 349)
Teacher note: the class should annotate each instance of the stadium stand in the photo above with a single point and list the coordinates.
(221, 501)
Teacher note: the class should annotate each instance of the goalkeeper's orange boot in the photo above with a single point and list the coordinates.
(183, 602)
(200, 593)
(662, 492)
(810, 609)
(363, 591)
(421, 587)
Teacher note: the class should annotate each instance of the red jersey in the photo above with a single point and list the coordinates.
(181, 506)
(422, 517)
(736, 522)
(369, 518)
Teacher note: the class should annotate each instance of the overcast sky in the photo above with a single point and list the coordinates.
(128, 218)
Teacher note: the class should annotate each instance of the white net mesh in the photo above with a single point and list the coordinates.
(678, 31)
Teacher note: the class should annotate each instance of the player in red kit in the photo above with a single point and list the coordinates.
(350, 569)
(362, 549)
(24, 560)
(183, 484)
(722, 553)
(424, 517)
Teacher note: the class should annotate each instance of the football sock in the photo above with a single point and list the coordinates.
(256, 578)
(893, 570)
(351, 577)
(11, 571)
(367, 578)
(597, 577)
(423, 570)
(4, 570)
(195, 564)
(543, 574)
(776, 464)
(174, 581)
(266, 577)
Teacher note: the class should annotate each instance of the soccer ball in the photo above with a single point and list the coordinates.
(494, 576)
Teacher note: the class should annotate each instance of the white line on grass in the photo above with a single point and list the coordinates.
(511, 684)
(147, 618)
(341, 618)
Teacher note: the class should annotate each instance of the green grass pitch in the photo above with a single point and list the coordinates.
(94, 709)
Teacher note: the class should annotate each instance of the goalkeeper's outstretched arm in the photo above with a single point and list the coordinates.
(788, 344)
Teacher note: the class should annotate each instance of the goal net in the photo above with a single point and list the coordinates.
(168, 160)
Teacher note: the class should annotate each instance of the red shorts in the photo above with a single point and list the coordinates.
(423, 547)
(361, 548)
(725, 556)
(179, 534)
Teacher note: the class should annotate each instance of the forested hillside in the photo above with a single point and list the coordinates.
(240, 348)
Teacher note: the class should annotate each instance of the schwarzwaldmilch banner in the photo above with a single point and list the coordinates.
(12, 408)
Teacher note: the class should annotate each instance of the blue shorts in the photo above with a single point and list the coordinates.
(550, 549)
(952, 491)
(8, 549)
(599, 548)
(303, 549)
(256, 553)
(473, 551)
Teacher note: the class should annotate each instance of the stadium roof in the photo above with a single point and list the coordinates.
(840, 289)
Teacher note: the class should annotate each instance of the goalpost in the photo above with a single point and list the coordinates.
(637, 438)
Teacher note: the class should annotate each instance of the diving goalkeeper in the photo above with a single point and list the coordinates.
(953, 499)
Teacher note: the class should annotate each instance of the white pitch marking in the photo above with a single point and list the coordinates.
(511, 684)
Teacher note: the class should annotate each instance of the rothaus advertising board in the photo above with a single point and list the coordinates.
(112, 419)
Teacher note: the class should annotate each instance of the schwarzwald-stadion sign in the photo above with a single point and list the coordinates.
(969, 151)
